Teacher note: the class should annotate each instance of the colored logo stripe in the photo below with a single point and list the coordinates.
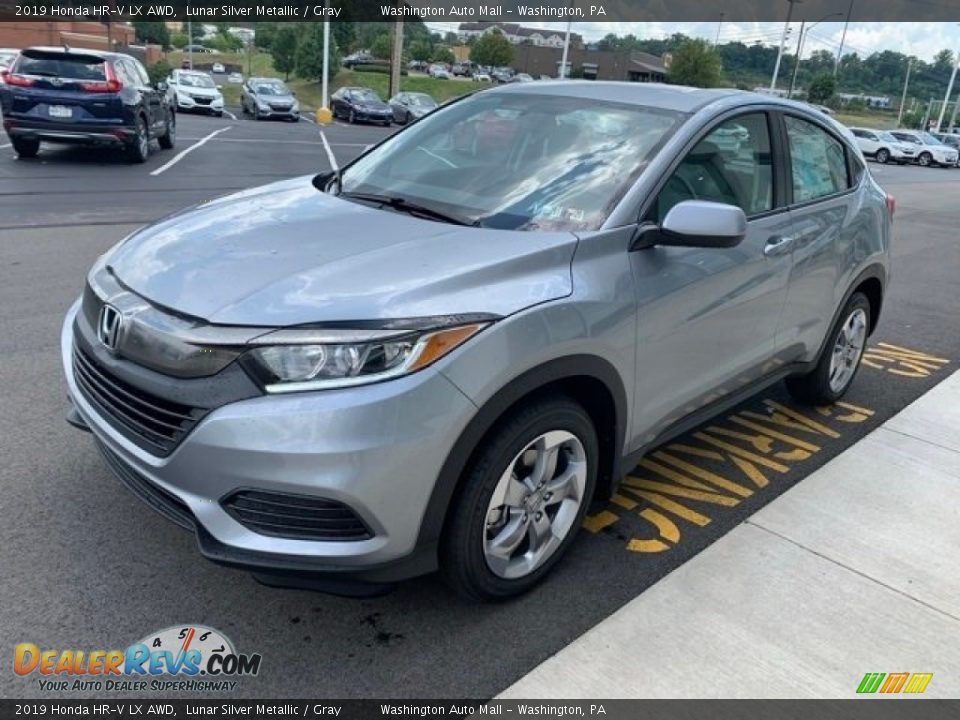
(894, 683)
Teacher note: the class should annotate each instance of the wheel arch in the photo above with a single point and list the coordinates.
(588, 379)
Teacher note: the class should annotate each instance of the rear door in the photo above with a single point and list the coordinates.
(708, 318)
(151, 99)
(68, 88)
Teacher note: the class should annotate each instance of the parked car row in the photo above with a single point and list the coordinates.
(908, 146)
(360, 104)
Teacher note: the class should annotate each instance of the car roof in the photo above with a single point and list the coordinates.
(76, 51)
(668, 97)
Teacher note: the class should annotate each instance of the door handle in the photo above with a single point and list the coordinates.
(777, 245)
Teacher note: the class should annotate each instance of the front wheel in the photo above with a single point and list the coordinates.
(883, 156)
(25, 147)
(522, 500)
(139, 149)
(838, 365)
(925, 159)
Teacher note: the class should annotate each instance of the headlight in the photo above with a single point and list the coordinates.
(349, 357)
(263, 106)
(295, 107)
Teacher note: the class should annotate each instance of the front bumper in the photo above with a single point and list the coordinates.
(188, 103)
(377, 449)
(270, 114)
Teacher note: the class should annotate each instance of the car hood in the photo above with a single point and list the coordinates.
(373, 105)
(287, 254)
(201, 91)
(284, 99)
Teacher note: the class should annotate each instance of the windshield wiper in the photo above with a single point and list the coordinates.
(401, 204)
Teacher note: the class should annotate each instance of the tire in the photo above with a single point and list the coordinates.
(883, 156)
(169, 137)
(218, 114)
(925, 159)
(139, 150)
(817, 387)
(25, 147)
(471, 562)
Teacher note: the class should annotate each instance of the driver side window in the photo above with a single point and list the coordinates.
(732, 165)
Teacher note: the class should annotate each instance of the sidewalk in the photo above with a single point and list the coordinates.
(854, 570)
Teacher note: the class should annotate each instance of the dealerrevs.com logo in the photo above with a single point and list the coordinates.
(178, 658)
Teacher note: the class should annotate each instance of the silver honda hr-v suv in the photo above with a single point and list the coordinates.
(438, 356)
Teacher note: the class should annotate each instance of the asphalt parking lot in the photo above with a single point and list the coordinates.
(86, 565)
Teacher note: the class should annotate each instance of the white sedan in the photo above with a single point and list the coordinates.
(219, 68)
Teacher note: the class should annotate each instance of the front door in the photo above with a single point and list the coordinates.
(708, 318)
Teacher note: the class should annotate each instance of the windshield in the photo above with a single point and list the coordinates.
(364, 96)
(929, 139)
(272, 89)
(199, 81)
(422, 100)
(887, 137)
(518, 161)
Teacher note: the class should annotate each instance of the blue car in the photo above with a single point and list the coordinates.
(85, 97)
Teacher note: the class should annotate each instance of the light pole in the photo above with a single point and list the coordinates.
(946, 98)
(326, 56)
(796, 65)
(783, 40)
(843, 39)
(903, 98)
(190, 44)
(566, 52)
(719, 25)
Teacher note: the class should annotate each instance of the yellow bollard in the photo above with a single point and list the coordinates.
(324, 116)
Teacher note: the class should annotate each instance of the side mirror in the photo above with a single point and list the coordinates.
(696, 223)
(161, 86)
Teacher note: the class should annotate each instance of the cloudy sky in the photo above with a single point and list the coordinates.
(921, 39)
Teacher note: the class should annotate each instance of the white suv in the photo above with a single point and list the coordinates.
(884, 147)
(930, 151)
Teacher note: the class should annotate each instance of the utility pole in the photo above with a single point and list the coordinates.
(796, 62)
(324, 82)
(566, 52)
(843, 39)
(926, 115)
(946, 98)
(397, 58)
(719, 25)
(783, 40)
(190, 44)
(903, 97)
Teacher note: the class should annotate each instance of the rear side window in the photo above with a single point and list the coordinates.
(818, 160)
(61, 65)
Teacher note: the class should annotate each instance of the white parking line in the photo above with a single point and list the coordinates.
(330, 155)
(308, 118)
(232, 116)
(183, 153)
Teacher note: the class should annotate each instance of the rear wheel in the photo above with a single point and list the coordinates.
(522, 500)
(26, 147)
(883, 156)
(838, 365)
(139, 149)
(169, 137)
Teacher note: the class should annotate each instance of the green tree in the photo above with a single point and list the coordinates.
(444, 55)
(283, 50)
(381, 47)
(179, 40)
(309, 54)
(695, 63)
(226, 43)
(264, 32)
(159, 71)
(421, 50)
(491, 49)
(822, 88)
(197, 30)
(152, 32)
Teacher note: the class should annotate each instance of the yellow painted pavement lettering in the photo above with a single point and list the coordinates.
(667, 489)
(918, 682)
(596, 523)
(666, 528)
(669, 505)
(764, 443)
(781, 415)
(855, 414)
(893, 359)
(712, 478)
(624, 502)
(740, 452)
(802, 444)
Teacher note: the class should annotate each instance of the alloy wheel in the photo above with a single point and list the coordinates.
(535, 504)
(847, 350)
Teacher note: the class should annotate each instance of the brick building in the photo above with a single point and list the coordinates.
(79, 34)
(590, 64)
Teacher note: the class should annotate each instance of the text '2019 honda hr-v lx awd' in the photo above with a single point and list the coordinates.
(438, 356)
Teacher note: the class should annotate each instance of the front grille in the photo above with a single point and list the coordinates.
(169, 506)
(155, 424)
(282, 108)
(202, 100)
(299, 517)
